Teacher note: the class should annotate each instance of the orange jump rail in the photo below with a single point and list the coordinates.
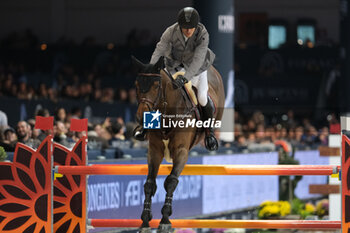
(214, 223)
(202, 170)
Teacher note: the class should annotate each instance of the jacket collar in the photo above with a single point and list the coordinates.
(180, 36)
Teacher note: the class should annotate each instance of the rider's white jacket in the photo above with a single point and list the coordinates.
(194, 55)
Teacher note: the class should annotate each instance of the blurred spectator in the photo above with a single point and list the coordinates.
(260, 133)
(24, 92)
(102, 132)
(76, 113)
(123, 95)
(118, 139)
(132, 96)
(241, 142)
(10, 140)
(323, 136)
(43, 92)
(290, 119)
(237, 130)
(270, 133)
(60, 134)
(3, 120)
(250, 126)
(299, 132)
(23, 134)
(60, 115)
(310, 136)
(107, 95)
(95, 142)
(44, 112)
(36, 133)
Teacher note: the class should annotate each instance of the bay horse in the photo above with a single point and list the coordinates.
(156, 91)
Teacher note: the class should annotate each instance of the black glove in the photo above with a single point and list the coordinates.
(180, 81)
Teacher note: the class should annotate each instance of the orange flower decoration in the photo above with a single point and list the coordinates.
(70, 190)
(25, 190)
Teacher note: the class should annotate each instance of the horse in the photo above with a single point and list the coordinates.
(156, 92)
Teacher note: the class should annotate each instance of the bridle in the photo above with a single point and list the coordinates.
(151, 104)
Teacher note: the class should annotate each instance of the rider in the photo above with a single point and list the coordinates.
(185, 48)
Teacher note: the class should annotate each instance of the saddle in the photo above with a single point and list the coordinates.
(189, 89)
(190, 94)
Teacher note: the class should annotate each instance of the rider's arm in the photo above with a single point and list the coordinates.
(198, 57)
(162, 46)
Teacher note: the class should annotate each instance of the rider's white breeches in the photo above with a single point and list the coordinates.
(201, 83)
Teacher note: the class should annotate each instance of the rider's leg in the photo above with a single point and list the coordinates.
(201, 83)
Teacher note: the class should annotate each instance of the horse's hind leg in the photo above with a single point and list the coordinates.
(170, 184)
(150, 187)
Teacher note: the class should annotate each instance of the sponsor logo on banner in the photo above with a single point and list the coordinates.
(117, 195)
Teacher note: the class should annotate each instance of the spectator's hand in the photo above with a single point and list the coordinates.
(107, 122)
(180, 81)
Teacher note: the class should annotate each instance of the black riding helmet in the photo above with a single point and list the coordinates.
(188, 17)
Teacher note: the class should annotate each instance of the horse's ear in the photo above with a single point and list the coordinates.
(139, 65)
(159, 64)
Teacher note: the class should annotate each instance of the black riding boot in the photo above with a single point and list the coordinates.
(210, 141)
(139, 133)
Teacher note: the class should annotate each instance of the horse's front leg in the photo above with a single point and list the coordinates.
(179, 162)
(155, 157)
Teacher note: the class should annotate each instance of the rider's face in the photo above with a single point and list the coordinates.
(188, 32)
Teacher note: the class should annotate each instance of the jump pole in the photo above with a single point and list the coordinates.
(284, 170)
(216, 223)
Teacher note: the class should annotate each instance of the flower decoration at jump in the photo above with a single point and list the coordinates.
(302, 209)
(322, 208)
(25, 190)
(269, 209)
(69, 190)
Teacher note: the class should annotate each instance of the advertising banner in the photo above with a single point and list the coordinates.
(310, 158)
(123, 196)
(225, 193)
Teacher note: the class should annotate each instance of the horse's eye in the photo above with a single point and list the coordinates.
(156, 85)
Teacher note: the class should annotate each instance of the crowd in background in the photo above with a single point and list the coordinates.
(250, 132)
(30, 70)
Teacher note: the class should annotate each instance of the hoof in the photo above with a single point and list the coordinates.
(139, 133)
(145, 230)
(165, 228)
(211, 143)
